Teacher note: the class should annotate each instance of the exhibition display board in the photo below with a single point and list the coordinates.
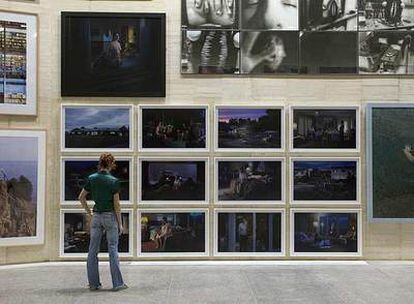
(261, 166)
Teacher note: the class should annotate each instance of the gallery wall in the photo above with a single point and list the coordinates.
(381, 241)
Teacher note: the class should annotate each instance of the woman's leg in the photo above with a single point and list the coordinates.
(94, 245)
(111, 227)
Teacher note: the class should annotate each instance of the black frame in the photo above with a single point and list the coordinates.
(64, 90)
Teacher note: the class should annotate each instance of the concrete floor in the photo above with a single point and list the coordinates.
(321, 283)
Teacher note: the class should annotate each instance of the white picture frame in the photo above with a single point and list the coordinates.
(157, 203)
(38, 238)
(357, 201)
(282, 212)
(143, 107)
(63, 159)
(357, 254)
(219, 202)
(62, 253)
(30, 107)
(355, 108)
(240, 106)
(130, 149)
(206, 252)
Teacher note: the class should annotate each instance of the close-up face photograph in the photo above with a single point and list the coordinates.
(269, 14)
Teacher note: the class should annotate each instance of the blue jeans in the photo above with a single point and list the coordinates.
(101, 222)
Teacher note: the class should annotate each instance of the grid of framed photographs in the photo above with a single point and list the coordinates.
(260, 189)
(297, 37)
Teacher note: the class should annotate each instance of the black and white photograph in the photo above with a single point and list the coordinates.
(173, 180)
(329, 52)
(386, 14)
(251, 128)
(210, 52)
(386, 52)
(269, 14)
(97, 127)
(75, 236)
(269, 52)
(113, 54)
(249, 232)
(210, 13)
(75, 173)
(333, 181)
(325, 233)
(325, 129)
(329, 15)
(249, 180)
(174, 128)
(168, 233)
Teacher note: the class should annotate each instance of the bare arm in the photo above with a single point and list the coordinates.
(84, 202)
(117, 208)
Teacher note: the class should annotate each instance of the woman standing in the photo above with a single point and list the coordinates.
(105, 216)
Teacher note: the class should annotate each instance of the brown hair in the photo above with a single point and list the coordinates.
(106, 162)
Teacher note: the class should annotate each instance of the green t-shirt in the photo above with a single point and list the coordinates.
(102, 186)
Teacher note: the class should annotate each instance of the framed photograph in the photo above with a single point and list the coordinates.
(113, 54)
(97, 128)
(76, 170)
(383, 15)
(249, 180)
(177, 180)
(269, 52)
(326, 232)
(329, 15)
(386, 52)
(172, 233)
(339, 54)
(210, 14)
(390, 158)
(22, 187)
(18, 64)
(325, 180)
(249, 128)
(325, 129)
(75, 234)
(210, 52)
(269, 15)
(172, 128)
(249, 232)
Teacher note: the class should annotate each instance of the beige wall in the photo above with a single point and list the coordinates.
(381, 241)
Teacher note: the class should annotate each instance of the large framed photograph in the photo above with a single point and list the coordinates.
(177, 180)
(324, 129)
(76, 170)
(18, 63)
(269, 15)
(75, 234)
(173, 233)
(249, 232)
(325, 232)
(329, 15)
(325, 180)
(210, 14)
(22, 187)
(386, 52)
(249, 128)
(174, 128)
(97, 128)
(210, 52)
(269, 52)
(249, 180)
(113, 54)
(390, 158)
(339, 54)
(384, 15)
